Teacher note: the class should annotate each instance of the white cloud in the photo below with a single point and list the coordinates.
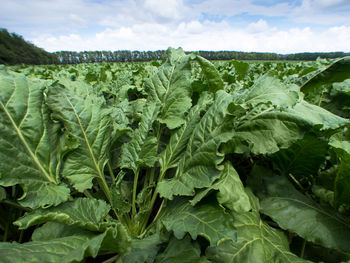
(259, 26)
(193, 24)
(207, 35)
(168, 9)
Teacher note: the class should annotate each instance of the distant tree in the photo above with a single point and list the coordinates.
(15, 50)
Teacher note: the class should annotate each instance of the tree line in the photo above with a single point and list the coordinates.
(15, 50)
(71, 57)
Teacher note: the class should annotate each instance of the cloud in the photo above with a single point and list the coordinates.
(276, 26)
(259, 26)
(207, 35)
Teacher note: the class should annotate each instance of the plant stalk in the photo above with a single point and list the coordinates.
(110, 170)
(136, 178)
(303, 249)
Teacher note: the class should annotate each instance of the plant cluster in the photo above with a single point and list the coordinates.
(184, 161)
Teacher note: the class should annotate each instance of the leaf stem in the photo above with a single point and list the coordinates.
(110, 170)
(136, 178)
(297, 182)
(153, 200)
(16, 205)
(20, 239)
(112, 259)
(87, 194)
(303, 249)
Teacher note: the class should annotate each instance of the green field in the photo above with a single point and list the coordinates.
(184, 160)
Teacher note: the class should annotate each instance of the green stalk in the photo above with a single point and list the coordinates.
(110, 170)
(297, 182)
(151, 179)
(112, 259)
(7, 226)
(303, 249)
(21, 236)
(16, 205)
(144, 229)
(136, 178)
(87, 194)
(153, 200)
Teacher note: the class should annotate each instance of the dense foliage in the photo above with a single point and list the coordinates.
(72, 57)
(180, 162)
(15, 50)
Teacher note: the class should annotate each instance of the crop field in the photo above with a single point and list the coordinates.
(181, 160)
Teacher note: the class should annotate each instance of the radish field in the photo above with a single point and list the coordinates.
(181, 160)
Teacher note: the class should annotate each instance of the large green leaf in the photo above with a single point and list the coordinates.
(317, 116)
(82, 212)
(172, 154)
(210, 73)
(181, 251)
(70, 248)
(171, 86)
(208, 220)
(143, 250)
(31, 146)
(116, 238)
(343, 87)
(198, 165)
(299, 214)
(142, 150)
(303, 158)
(65, 249)
(230, 189)
(83, 114)
(274, 121)
(342, 180)
(266, 132)
(314, 87)
(257, 242)
(270, 90)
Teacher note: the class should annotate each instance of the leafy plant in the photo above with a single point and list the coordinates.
(135, 163)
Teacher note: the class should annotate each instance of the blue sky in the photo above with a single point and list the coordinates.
(283, 26)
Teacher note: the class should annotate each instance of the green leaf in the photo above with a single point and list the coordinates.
(343, 87)
(82, 212)
(208, 220)
(275, 118)
(338, 71)
(31, 146)
(143, 250)
(211, 74)
(266, 131)
(241, 68)
(317, 116)
(270, 90)
(119, 201)
(171, 86)
(180, 251)
(256, 242)
(65, 249)
(52, 230)
(303, 158)
(231, 192)
(171, 155)
(141, 151)
(83, 114)
(342, 180)
(198, 165)
(297, 213)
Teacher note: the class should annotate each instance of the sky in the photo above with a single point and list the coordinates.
(280, 26)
